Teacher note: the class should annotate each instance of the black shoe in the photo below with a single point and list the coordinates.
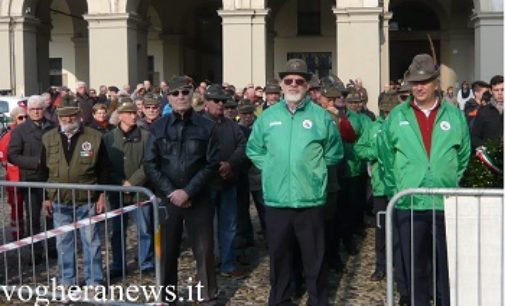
(378, 275)
(350, 248)
(147, 272)
(404, 301)
(115, 274)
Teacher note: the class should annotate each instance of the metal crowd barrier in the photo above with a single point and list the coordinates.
(475, 233)
(19, 269)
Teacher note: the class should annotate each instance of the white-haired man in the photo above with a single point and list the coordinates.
(24, 151)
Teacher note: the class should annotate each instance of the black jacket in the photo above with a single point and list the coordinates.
(25, 149)
(94, 125)
(86, 105)
(488, 124)
(182, 153)
(231, 148)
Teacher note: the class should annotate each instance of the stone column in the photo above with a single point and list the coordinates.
(25, 55)
(81, 46)
(488, 44)
(384, 49)
(358, 48)
(244, 46)
(113, 48)
(456, 57)
(6, 82)
(173, 55)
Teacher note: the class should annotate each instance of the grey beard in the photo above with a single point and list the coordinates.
(70, 128)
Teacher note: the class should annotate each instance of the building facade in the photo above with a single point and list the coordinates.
(115, 42)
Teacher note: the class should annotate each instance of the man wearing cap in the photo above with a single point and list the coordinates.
(352, 195)
(293, 144)
(182, 155)
(230, 109)
(425, 143)
(315, 88)
(245, 232)
(223, 184)
(24, 151)
(366, 148)
(125, 147)
(152, 111)
(74, 154)
(328, 95)
(273, 94)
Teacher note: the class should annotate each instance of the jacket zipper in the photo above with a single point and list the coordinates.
(289, 160)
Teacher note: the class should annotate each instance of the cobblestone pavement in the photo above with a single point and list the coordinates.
(351, 288)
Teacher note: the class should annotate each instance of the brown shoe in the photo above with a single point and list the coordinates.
(234, 274)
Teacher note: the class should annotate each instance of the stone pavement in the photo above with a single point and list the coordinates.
(351, 288)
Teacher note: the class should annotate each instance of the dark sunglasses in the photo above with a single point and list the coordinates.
(176, 93)
(298, 82)
(22, 117)
(151, 107)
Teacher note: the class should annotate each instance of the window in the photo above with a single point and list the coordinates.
(309, 17)
(318, 63)
(55, 71)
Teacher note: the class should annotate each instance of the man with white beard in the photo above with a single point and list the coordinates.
(292, 144)
(75, 154)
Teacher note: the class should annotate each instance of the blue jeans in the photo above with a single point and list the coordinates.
(66, 245)
(225, 202)
(143, 221)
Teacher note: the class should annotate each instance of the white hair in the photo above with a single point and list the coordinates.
(36, 100)
(81, 84)
(16, 111)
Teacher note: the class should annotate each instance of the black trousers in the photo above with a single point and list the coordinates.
(350, 208)
(380, 204)
(245, 231)
(424, 227)
(332, 241)
(287, 226)
(259, 202)
(33, 198)
(198, 221)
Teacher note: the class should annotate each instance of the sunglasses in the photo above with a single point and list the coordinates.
(176, 93)
(298, 82)
(150, 107)
(22, 117)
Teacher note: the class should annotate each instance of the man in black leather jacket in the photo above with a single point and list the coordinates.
(182, 155)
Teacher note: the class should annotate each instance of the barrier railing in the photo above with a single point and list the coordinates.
(469, 234)
(29, 263)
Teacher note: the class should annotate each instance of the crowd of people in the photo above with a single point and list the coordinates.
(308, 152)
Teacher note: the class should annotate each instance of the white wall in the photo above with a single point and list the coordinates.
(61, 45)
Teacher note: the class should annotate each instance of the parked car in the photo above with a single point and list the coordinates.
(7, 103)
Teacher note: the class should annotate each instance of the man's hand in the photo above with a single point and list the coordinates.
(178, 197)
(225, 170)
(48, 208)
(187, 204)
(100, 204)
(333, 110)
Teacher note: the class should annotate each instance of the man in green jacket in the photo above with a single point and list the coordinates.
(125, 147)
(292, 143)
(74, 154)
(367, 149)
(425, 143)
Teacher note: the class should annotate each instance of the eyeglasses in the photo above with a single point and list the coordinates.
(217, 101)
(35, 109)
(298, 82)
(22, 117)
(176, 93)
(150, 107)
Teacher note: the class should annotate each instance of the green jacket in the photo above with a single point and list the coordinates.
(293, 153)
(126, 155)
(405, 160)
(367, 149)
(88, 164)
(354, 166)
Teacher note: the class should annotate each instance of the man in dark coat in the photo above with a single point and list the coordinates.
(182, 155)
(85, 102)
(24, 151)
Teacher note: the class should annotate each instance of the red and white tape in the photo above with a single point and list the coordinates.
(69, 227)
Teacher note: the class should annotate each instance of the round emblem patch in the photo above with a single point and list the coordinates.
(307, 124)
(86, 146)
(445, 126)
